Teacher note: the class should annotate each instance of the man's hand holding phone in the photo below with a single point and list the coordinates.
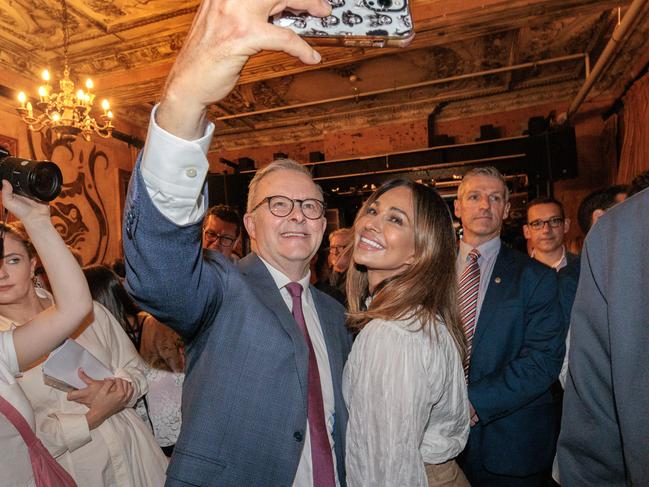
(224, 34)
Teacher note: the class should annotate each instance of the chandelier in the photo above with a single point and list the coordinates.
(66, 112)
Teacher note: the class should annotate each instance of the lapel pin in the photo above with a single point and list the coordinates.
(497, 280)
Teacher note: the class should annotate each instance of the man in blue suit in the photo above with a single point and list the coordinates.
(262, 400)
(515, 337)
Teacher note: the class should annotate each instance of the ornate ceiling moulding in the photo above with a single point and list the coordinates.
(109, 60)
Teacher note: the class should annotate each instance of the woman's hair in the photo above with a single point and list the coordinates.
(17, 230)
(427, 288)
(107, 290)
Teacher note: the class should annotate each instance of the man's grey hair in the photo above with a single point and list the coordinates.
(276, 165)
(488, 171)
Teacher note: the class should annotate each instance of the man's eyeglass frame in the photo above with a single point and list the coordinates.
(268, 200)
(225, 240)
(554, 222)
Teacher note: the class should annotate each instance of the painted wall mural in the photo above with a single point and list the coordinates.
(79, 213)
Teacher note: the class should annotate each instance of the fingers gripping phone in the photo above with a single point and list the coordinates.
(356, 23)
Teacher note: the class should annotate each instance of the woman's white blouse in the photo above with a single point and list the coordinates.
(407, 402)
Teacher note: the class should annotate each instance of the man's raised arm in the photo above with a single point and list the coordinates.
(225, 33)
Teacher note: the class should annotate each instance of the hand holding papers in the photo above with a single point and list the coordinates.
(60, 368)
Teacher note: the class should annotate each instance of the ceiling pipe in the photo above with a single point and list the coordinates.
(459, 77)
(620, 34)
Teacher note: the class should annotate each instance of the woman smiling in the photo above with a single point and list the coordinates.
(404, 381)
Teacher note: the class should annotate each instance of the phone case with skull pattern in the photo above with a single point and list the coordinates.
(355, 23)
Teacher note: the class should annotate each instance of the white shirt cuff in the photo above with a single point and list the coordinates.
(174, 170)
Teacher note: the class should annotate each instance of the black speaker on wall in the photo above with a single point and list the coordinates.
(552, 155)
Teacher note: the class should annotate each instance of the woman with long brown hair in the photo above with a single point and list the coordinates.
(404, 381)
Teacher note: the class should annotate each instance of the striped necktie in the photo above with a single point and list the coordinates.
(468, 300)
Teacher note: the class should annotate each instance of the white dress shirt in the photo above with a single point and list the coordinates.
(559, 264)
(174, 170)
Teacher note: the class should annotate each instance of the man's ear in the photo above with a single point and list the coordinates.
(508, 205)
(456, 207)
(526, 232)
(566, 225)
(249, 223)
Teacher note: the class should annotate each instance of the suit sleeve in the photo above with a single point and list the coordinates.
(165, 269)
(536, 366)
(589, 449)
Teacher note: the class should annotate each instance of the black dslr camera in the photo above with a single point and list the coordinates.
(39, 180)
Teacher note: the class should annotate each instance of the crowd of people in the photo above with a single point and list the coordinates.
(417, 360)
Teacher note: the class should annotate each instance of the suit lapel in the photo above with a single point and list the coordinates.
(500, 280)
(264, 287)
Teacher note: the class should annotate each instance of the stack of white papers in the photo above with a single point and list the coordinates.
(60, 368)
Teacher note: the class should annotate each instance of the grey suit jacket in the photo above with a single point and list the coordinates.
(245, 394)
(604, 436)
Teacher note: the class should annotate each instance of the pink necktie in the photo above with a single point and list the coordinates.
(321, 457)
(468, 300)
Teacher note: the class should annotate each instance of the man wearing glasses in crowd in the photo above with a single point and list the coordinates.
(262, 398)
(222, 229)
(545, 230)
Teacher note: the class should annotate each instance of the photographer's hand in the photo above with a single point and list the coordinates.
(224, 34)
(23, 208)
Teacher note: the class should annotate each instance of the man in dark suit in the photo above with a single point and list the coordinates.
(515, 339)
(605, 426)
(262, 398)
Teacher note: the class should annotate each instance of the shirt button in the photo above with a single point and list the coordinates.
(298, 436)
(191, 172)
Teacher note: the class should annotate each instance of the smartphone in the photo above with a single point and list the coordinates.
(354, 23)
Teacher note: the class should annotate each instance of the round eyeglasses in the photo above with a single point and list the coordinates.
(282, 206)
(553, 222)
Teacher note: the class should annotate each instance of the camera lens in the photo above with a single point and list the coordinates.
(45, 181)
(40, 180)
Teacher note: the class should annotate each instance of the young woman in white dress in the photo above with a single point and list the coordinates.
(404, 381)
(94, 433)
(45, 330)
